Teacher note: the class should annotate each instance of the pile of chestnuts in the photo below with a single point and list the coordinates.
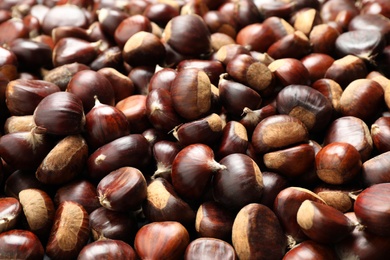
(195, 129)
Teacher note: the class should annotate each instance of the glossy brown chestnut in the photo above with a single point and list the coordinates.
(24, 150)
(284, 161)
(108, 224)
(338, 163)
(257, 233)
(379, 132)
(164, 152)
(247, 70)
(352, 130)
(38, 210)
(123, 189)
(289, 71)
(371, 209)
(80, 191)
(331, 90)
(273, 184)
(122, 85)
(346, 69)
(143, 49)
(163, 204)
(239, 183)
(160, 110)
(162, 240)
(103, 124)
(251, 118)
(192, 170)
(110, 57)
(227, 52)
(22, 244)
(362, 98)
(257, 37)
(10, 212)
(191, 93)
(243, 13)
(317, 64)
(236, 96)
(110, 18)
(323, 38)
(60, 113)
(278, 131)
(87, 84)
(295, 45)
(214, 221)
(194, 41)
(323, 223)
(308, 249)
(70, 231)
(130, 26)
(207, 130)
(234, 139)
(20, 180)
(103, 249)
(209, 248)
(8, 64)
(306, 104)
(23, 96)
(286, 206)
(11, 30)
(213, 68)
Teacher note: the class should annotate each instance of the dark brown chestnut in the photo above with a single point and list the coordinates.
(308, 249)
(379, 134)
(209, 248)
(306, 104)
(123, 189)
(257, 233)
(257, 37)
(10, 212)
(289, 71)
(130, 26)
(87, 84)
(64, 162)
(102, 249)
(70, 231)
(323, 38)
(122, 85)
(60, 113)
(103, 124)
(130, 150)
(191, 93)
(61, 75)
(234, 139)
(163, 204)
(278, 131)
(295, 45)
(188, 35)
(317, 64)
(162, 240)
(22, 244)
(239, 183)
(80, 191)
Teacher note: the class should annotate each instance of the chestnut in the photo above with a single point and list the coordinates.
(286, 206)
(209, 248)
(317, 64)
(352, 130)
(23, 96)
(239, 183)
(214, 220)
(110, 18)
(306, 104)
(10, 212)
(188, 34)
(371, 209)
(379, 132)
(123, 189)
(308, 249)
(278, 131)
(130, 150)
(163, 204)
(123, 86)
(164, 152)
(295, 45)
(60, 113)
(257, 36)
(162, 240)
(227, 52)
(290, 71)
(207, 130)
(20, 244)
(257, 233)
(282, 161)
(250, 118)
(331, 90)
(107, 248)
(323, 38)
(362, 98)
(70, 231)
(87, 84)
(80, 191)
(38, 210)
(338, 163)
(130, 26)
(213, 68)
(323, 223)
(191, 93)
(273, 184)
(103, 124)
(143, 49)
(61, 75)
(20, 180)
(234, 139)
(64, 162)
(192, 170)
(107, 224)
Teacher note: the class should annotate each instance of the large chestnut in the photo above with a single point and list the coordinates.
(107, 248)
(209, 248)
(20, 244)
(257, 233)
(123, 189)
(10, 211)
(162, 240)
